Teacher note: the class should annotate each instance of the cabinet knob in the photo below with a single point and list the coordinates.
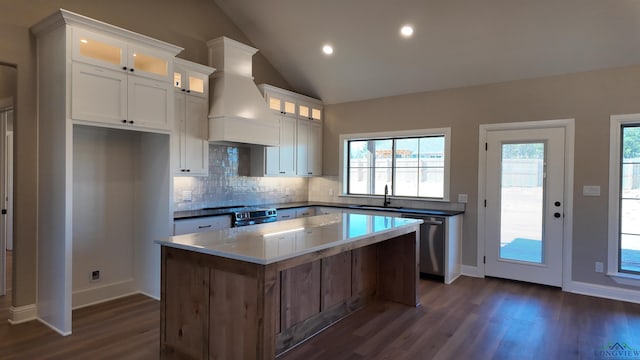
(124, 68)
(188, 91)
(188, 170)
(124, 121)
(131, 69)
(309, 173)
(130, 121)
(184, 89)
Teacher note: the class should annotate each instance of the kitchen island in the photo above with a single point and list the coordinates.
(254, 292)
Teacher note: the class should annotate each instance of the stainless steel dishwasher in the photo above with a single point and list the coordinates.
(432, 234)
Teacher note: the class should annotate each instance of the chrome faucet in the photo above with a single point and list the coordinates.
(386, 200)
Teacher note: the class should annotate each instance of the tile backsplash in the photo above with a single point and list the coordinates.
(228, 184)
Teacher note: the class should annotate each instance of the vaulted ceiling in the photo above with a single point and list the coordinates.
(456, 42)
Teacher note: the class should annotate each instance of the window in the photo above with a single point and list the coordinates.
(624, 195)
(409, 164)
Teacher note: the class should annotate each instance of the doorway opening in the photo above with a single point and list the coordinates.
(8, 85)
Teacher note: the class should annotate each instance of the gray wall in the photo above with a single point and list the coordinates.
(186, 23)
(589, 97)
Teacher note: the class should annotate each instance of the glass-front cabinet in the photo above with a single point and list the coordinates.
(106, 51)
(281, 104)
(300, 150)
(190, 82)
(120, 83)
(310, 111)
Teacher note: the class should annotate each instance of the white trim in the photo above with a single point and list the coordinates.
(602, 291)
(445, 131)
(149, 295)
(472, 271)
(613, 246)
(63, 333)
(98, 295)
(569, 126)
(22, 314)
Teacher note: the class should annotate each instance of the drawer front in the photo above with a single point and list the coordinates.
(190, 226)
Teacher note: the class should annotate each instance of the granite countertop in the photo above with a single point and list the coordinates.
(272, 242)
(231, 209)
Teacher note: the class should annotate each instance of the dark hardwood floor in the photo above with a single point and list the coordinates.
(470, 319)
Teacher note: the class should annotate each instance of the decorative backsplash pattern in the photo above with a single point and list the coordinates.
(228, 184)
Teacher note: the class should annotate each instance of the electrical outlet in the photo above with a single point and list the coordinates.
(330, 191)
(599, 266)
(186, 195)
(463, 198)
(95, 275)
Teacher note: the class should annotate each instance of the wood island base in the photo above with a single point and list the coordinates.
(214, 307)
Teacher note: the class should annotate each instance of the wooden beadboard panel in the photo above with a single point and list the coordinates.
(398, 270)
(186, 310)
(300, 293)
(364, 270)
(336, 279)
(234, 310)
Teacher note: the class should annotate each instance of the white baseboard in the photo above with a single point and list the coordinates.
(22, 314)
(472, 271)
(603, 291)
(54, 328)
(100, 294)
(149, 295)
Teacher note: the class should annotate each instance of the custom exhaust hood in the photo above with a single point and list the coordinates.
(238, 112)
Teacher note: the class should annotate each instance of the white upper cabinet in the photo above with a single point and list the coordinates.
(309, 148)
(310, 111)
(300, 150)
(191, 82)
(191, 127)
(106, 51)
(117, 82)
(281, 160)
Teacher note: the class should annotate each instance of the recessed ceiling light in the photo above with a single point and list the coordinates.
(327, 49)
(406, 31)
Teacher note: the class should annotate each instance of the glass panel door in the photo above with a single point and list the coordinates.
(630, 200)
(522, 202)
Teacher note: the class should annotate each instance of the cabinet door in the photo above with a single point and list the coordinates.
(197, 84)
(314, 149)
(272, 161)
(196, 131)
(149, 63)
(280, 160)
(97, 49)
(309, 148)
(302, 144)
(150, 103)
(179, 133)
(98, 94)
(287, 145)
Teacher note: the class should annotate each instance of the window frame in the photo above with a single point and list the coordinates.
(615, 153)
(344, 161)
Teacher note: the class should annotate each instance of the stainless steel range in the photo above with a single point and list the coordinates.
(246, 217)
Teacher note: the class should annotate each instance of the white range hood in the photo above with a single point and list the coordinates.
(238, 114)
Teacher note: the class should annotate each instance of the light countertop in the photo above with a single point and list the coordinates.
(282, 240)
